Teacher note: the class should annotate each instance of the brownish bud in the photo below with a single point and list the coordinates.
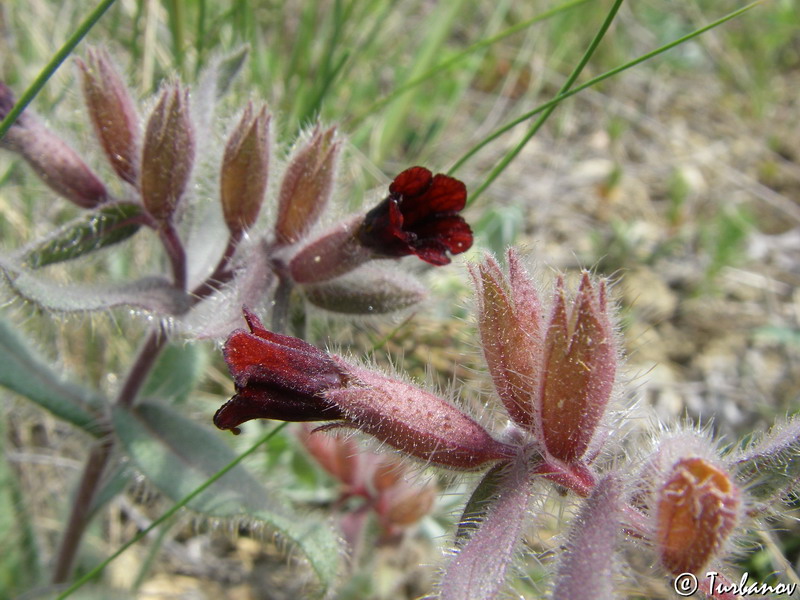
(580, 362)
(168, 154)
(112, 112)
(53, 160)
(510, 323)
(245, 169)
(306, 186)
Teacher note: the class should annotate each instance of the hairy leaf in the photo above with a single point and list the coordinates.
(178, 370)
(106, 226)
(770, 464)
(152, 294)
(25, 372)
(178, 455)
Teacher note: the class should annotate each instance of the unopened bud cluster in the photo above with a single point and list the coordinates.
(386, 486)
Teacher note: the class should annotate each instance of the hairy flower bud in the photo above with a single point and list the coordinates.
(245, 169)
(112, 114)
(580, 361)
(306, 186)
(697, 508)
(371, 291)
(510, 323)
(339, 456)
(53, 160)
(168, 154)
(414, 421)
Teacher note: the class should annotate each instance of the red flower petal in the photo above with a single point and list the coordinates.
(411, 182)
(256, 402)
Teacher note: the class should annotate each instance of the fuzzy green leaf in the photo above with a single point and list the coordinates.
(178, 370)
(107, 226)
(178, 456)
(26, 373)
(228, 69)
(150, 294)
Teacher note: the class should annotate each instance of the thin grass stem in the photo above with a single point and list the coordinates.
(55, 62)
(615, 71)
(169, 513)
(510, 156)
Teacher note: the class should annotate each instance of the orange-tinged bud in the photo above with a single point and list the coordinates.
(388, 473)
(509, 319)
(245, 169)
(578, 371)
(697, 509)
(306, 186)
(112, 113)
(168, 154)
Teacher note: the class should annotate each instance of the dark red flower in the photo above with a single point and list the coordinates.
(276, 377)
(420, 216)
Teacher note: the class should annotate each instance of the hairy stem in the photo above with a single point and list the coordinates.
(92, 472)
(280, 308)
(176, 252)
(99, 456)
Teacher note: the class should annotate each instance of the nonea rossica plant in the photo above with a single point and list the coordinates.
(554, 362)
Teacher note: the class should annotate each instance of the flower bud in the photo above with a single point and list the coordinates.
(56, 163)
(579, 366)
(697, 508)
(112, 114)
(339, 456)
(245, 169)
(509, 319)
(407, 504)
(168, 154)
(306, 186)
(368, 292)
(414, 421)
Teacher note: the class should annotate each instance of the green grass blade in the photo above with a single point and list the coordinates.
(510, 156)
(442, 20)
(457, 58)
(52, 66)
(610, 73)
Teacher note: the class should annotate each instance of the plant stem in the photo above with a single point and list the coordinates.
(99, 456)
(510, 156)
(280, 307)
(92, 472)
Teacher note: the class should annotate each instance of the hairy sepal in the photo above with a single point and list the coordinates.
(587, 566)
(478, 571)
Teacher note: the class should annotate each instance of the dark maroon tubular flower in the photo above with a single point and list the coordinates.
(276, 377)
(420, 216)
